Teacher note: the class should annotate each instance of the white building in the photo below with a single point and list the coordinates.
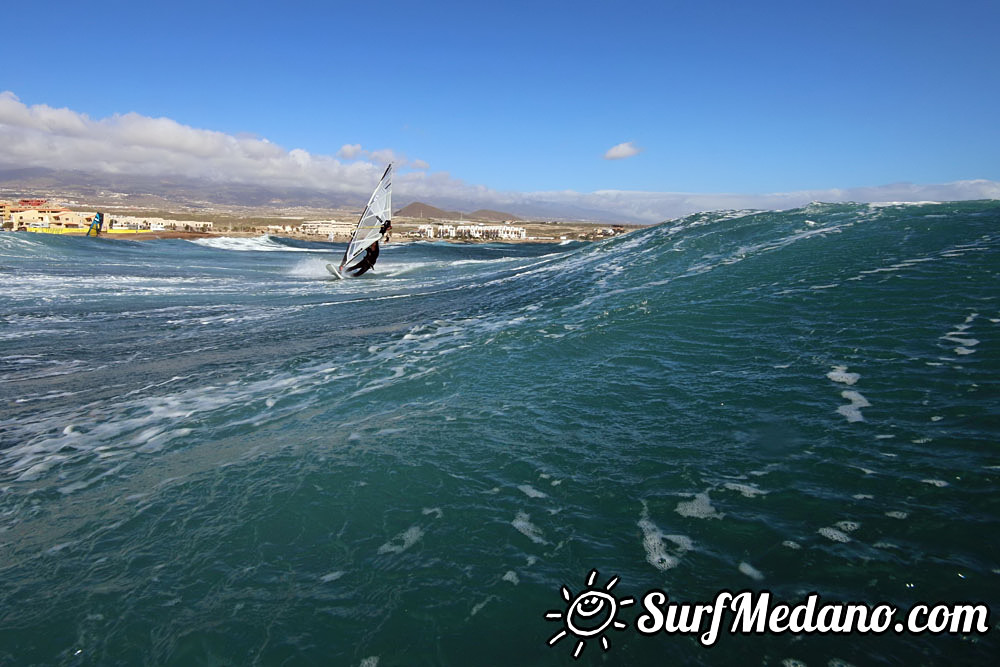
(157, 224)
(326, 227)
(436, 231)
(490, 232)
(472, 231)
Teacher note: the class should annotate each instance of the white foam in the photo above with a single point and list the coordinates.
(333, 576)
(853, 411)
(653, 543)
(522, 521)
(699, 508)
(940, 483)
(155, 440)
(746, 490)
(403, 541)
(751, 571)
(896, 514)
(862, 496)
(848, 526)
(371, 661)
(958, 337)
(837, 662)
(531, 491)
(834, 534)
(478, 607)
(312, 267)
(792, 662)
(512, 577)
(436, 511)
(791, 544)
(885, 204)
(840, 374)
(263, 243)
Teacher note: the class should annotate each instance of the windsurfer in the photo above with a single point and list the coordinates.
(371, 254)
(367, 262)
(373, 228)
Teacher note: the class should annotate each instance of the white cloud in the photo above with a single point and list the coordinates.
(622, 151)
(40, 136)
(349, 151)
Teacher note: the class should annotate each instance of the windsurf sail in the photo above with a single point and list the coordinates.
(373, 219)
(97, 225)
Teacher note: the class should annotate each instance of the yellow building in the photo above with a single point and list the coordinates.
(60, 222)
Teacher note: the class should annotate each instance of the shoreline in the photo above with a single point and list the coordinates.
(157, 235)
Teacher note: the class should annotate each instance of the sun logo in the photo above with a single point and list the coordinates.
(589, 614)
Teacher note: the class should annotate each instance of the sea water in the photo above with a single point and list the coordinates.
(212, 453)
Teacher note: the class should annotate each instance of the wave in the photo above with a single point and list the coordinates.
(263, 243)
(817, 378)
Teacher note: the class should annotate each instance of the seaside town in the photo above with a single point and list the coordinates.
(41, 216)
(38, 215)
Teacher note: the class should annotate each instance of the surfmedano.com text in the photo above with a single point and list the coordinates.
(754, 613)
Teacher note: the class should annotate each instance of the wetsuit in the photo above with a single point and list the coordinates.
(371, 254)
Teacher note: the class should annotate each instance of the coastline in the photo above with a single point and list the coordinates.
(154, 235)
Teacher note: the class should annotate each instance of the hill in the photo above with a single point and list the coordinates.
(421, 210)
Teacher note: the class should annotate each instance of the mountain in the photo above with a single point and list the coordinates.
(136, 191)
(426, 211)
(420, 210)
(161, 191)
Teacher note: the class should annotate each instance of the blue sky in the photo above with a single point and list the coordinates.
(720, 97)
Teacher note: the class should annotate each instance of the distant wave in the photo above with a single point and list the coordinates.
(263, 243)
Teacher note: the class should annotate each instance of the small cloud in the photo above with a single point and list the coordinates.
(420, 164)
(622, 151)
(349, 151)
(385, 156)
(382, 156)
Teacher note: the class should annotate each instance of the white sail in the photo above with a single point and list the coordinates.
(378, 211)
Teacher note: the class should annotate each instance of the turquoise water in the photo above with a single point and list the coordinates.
(211, 454)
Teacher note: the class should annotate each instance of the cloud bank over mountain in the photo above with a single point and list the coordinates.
(132, 144)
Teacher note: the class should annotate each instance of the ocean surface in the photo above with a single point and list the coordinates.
(213, 454)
